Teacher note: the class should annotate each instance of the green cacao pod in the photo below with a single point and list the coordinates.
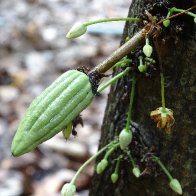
(52, 111)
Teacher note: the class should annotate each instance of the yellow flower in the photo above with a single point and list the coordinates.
(163, 118)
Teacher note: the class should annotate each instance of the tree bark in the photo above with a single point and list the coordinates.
(175, 48)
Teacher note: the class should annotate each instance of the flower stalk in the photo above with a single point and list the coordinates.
(165, 170)
(131, 103)
(89, 161)
(111, 20)
(162, 92)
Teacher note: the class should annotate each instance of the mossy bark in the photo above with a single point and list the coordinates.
(175, 48)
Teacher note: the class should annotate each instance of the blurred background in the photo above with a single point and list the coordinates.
(33, 52)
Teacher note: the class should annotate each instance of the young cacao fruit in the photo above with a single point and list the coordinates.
(53, 110)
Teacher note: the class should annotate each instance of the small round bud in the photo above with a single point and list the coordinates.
(175, 186)
(76, 31)
(104, 164)
(166, 23)
(125, 138)
(136, 172)
(99, 168)
(147, 50)
(114, 177)
(142, 68)
(68, 190)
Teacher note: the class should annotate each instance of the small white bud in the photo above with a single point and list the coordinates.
(77, 30)
(147, 50)
(136, 172)
(175, 186)
(68, 190)
(114, 177)
(125, 138)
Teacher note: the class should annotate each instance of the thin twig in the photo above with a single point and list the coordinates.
(176, 15)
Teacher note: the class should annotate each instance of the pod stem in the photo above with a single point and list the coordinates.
(111, 20)
(113, 80)
(118, 54)
(89, 161)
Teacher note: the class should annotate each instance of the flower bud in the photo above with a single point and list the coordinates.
(114, 177)
(142, 68)
(76, 31)
(104, 164)
(125, 138)
(136, 172)
(175, 186)
(99, 168)
(166, 23)
(68, 190)
(147, 50)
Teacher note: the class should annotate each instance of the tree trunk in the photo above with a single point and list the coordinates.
(175, 48)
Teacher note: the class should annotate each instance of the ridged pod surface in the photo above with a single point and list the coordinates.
(52, 110)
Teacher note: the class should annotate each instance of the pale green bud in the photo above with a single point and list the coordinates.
(76, 31)
(175, 186)
(136, 172)
(147, 50)
(114, 177)
(142, 68)
(195, 20)
(104, 164)
(99, 168)
(125, 138)
(68, 190)
(166, 23)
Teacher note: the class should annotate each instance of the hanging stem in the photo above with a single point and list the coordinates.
(162, 91)
(111, 20)
(114, 79)
(131, 103)
(88, 161)
(158, 161)
(117, 165)
(131, 158)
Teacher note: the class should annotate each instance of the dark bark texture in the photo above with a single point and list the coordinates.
(175, 48)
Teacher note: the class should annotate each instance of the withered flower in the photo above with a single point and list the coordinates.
(163, 118)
